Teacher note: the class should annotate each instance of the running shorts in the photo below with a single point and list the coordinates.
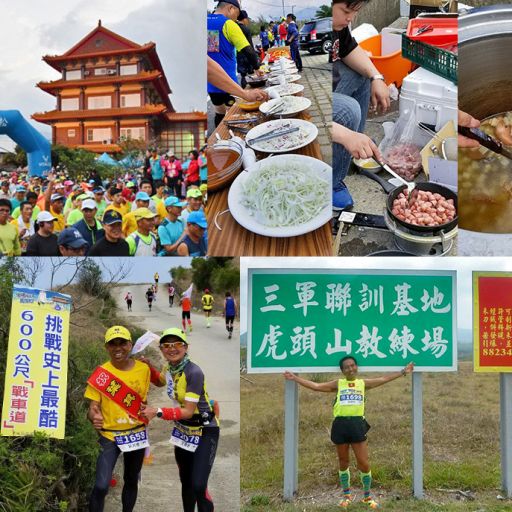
(185, 314)
(230, 319)
(349, 429)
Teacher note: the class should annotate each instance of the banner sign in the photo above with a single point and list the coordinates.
(306, 320)
(492, 321)
(37, 364)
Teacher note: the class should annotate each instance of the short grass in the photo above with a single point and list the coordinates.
(461, 445)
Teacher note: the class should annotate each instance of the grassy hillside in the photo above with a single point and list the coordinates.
(461, 445)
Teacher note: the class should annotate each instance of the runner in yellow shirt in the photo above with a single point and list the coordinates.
(129, 220)
(349, 427)
(207, 302)
(117, 389)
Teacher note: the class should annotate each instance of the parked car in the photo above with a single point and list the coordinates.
(316, 36)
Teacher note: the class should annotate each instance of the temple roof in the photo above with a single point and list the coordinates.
(100, 113)
(186, 116)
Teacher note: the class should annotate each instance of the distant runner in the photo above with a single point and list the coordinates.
(207, 302)
(171, 291)
(156, 277)
(229, 313)
(186, 306)
(149, 297)
(128, 298)
(349, 427)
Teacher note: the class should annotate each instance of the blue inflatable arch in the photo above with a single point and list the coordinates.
(38, 149)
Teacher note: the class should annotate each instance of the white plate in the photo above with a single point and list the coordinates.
(288, 78)
(287, 89)
(277, 67)
(287, 71)
(308, 130)
(243, 215)
(293, 105)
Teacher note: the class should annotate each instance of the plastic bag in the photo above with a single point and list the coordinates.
(400, 149)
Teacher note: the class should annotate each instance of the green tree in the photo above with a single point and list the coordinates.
(79, 163)
(90, 280)
(16, 159)
(324, 11)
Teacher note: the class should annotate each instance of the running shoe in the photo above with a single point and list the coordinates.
(346, 500)
(341, 198)
(370, 502)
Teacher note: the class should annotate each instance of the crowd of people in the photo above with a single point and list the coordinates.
(156, 212)
(231, 52)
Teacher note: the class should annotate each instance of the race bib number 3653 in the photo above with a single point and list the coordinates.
(133, 441)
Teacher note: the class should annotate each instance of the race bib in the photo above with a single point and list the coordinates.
(133, 441)
(350, 397)
(186, 437)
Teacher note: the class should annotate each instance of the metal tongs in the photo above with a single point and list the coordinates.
(235, 122)
(275, 108)
(272, 135)
(485, 140)
(412, 191)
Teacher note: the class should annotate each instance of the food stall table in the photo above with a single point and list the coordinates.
(234, 240)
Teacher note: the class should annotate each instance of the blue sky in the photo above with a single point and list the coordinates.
(141, 270)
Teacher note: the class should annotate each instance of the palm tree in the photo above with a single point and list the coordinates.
(324, 11)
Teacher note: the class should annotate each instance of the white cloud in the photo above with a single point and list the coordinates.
(32, 29)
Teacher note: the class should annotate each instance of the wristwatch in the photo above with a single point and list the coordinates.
(378, 76)
(159, 412)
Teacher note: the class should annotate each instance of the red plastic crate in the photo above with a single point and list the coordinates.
(443, 33)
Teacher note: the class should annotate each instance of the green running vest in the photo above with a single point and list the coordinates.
(350, 398)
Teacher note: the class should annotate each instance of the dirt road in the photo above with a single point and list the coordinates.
(219, 359)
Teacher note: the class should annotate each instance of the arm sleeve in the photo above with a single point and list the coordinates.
(92, 394)
(346, 43)
(234, 35)
(195, 384)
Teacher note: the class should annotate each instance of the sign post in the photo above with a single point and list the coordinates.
(492, 344)
(37, 362)
(306, 320)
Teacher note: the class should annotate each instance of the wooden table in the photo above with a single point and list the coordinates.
(234, 240)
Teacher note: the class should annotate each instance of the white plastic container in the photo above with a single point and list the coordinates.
(432, 98)
(363, 32)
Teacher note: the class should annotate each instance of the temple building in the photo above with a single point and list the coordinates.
(112, 88)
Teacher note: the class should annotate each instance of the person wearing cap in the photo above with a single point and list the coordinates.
(9, 239)
(283, 32)
(207, 301)
(194, 242)
(225, 41)
(5, 192)
(44, 241)
(157, 172)
(195, 433)
(245, 66)
(118, 202)
(171, 230)
(128, 191)
(192, 177)
(89, 227)
(99, 199)
(204, 191)
(112, 243)
(24, 224)
(173, 173)
(75, 214)
(71, 243)
(195, 203)
(158, 197)
(31, 197)
(129, 221)
(146, 185)
(116, 390)
(143, 242)
(18, 197)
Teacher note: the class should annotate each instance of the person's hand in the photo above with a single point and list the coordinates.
(360, 145)
(289, 376)
(408, 369)
(255, 95)
(380, 95)
(469, 122)
(148, 412)
(96, 419)
(22, 232)
(145, 360)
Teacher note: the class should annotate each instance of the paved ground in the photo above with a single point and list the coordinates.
(368, 195)
(219, 359)
(317, 82)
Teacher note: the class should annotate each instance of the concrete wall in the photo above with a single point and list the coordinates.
(379, 13)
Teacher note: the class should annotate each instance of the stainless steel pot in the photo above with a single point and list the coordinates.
(485, 89)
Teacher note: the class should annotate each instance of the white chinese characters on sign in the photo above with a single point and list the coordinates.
(369, 343)
(403, 306)
(338, 347)
(270, 341)
(303, 341)
(305, 295)
(338, 298)
(271, 297)
(372, 298)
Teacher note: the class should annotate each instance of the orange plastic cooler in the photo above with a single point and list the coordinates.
(392, 66)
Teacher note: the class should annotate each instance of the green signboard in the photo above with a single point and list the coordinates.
(306, 320)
